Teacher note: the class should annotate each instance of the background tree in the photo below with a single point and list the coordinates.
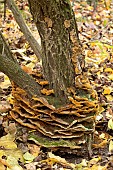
(24, 28)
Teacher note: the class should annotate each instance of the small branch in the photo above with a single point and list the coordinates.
(24, 28)
(4, 48)
(21, 78)
(10, 67)
(5, 9)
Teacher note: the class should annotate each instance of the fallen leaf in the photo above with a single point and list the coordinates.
(101, 145)
(13, 162)
(108, 70)
(111, 146)
(6, 83)
(109, 97)
(94, 161)
(110, 124)
(34, 149)
(107, 90)
(110, 77)
(28, 157)
(8, 142)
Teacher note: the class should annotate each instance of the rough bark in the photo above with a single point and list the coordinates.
(10, 67)
(4, 48)
(24, 28)
(56, 22)
(16, 74)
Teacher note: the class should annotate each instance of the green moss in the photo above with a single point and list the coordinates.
(84, 94)
(46, 142)
(56, 101)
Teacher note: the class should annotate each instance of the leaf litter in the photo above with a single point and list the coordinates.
(95, 30)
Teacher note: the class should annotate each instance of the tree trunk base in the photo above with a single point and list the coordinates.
(60, 126)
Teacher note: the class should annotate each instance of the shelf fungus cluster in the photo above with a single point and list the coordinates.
(65, 126)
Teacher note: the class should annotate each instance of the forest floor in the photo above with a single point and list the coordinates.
(96, 34)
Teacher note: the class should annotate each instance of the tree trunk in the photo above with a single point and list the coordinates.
(61, 58)
(10, 67)
(16, 74)
(24, 28)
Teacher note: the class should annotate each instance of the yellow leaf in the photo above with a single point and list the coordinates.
(13, 163)
(108, 3)
(102, 136)
(90, 8)
(110, 77)
(110, 124)
(7, 142)
(10, 99)
(12, 155)
(111, 146)
(97, 167)
(108, 70)
(28, 157)
(94, 161)
(107, 90)
(109, 97)
(6, 83)
(16, 153)
(98, 73)
(97, 22)
(1, 153)
(55, 158)
(101, 109)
